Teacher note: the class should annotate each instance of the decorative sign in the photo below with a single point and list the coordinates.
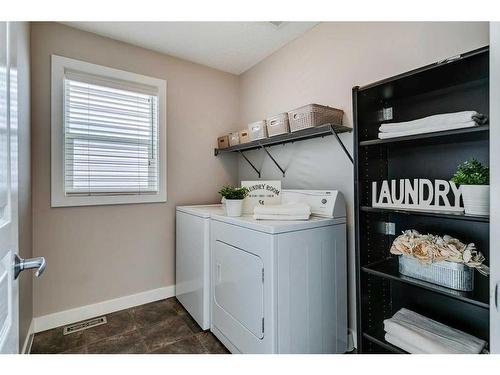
(419, 194)
(260, 193)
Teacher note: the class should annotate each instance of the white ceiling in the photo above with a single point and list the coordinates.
(233, 47)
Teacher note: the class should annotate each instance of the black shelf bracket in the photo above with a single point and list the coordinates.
(249, 162)
(273, 159)
(341, 144)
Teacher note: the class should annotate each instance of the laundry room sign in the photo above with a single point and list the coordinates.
(261, 193)
(417, 194)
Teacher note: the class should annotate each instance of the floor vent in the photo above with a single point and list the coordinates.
(80, 326)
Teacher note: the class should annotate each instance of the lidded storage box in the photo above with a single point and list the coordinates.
(278, 124)
(234, 138)
(313, 115)
(244, 136)
(257, 130)
(223, 142)
(452, 275)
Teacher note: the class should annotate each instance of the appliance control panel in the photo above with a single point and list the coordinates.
(325, 203)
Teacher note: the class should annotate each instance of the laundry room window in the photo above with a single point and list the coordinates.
(108, 135)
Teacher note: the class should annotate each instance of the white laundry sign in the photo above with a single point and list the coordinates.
(261, 193)
(417, 194)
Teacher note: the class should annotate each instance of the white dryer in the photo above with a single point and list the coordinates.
(192, 260)
(280, 286)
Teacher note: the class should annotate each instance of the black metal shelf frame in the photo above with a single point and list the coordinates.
(263, 144)
(456, 135)
(388, 269)
(444, 87)
(443, 215)
(377, 337)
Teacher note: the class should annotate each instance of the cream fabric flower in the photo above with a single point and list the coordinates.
(428, 248)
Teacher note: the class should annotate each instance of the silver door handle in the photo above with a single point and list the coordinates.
(21, 264)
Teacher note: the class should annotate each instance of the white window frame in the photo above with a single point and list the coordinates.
(58, 196)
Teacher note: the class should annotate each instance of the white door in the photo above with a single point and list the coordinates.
(8, 198)
(239, 288)
(494, 186)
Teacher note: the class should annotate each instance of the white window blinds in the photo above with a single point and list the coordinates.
(110, 137)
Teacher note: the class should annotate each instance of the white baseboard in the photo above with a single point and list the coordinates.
(45, 322)
(28, 340)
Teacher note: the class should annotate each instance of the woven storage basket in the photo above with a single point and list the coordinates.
(234, 138)
(278, 124)
(257, 130)
(244, 136)
(313, 115)
(452, 275)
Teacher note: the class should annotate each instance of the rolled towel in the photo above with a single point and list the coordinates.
(281, 217)
(430, 129)
(430, 336)
(439, 121)
(288, 209)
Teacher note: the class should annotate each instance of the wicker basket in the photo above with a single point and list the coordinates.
(244, 136)
(452, 275)
(234, 138)
(313, 115)
(257, 130)
(278, 124)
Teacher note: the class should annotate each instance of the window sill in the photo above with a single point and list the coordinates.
(96, 200)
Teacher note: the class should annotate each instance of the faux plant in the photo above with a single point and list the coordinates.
(471, 172)
(230, 192)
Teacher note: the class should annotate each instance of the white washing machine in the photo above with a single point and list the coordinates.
(192, 260)
(281, 286)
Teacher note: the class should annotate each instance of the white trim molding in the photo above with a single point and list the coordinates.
(58, 319)
(62, 66)
(28, 340)
(351, 340)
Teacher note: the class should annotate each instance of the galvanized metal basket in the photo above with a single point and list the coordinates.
(452, 275)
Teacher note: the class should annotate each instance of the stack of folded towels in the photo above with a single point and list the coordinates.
(288, 211)
(436, 123)
(418, 334)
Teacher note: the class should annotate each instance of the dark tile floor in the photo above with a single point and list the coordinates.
(162, 327)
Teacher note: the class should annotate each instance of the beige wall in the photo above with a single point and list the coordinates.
(21, 32)
(322, 66)
(103, 252)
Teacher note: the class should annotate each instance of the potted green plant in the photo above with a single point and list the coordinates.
(234, 199)
(473, 179)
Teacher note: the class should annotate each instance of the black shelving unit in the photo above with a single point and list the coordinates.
(456, 84)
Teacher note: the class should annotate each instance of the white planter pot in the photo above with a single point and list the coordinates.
(476, 199)
(234, 207)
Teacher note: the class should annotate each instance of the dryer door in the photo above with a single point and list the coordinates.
(239, 286)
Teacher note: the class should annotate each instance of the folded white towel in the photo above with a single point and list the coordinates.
(281, 217)
(290, 209)
(441, 120)
(430, 129)
(400, 343)
(430, 336)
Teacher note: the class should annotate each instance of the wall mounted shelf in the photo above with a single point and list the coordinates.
(301, 135)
